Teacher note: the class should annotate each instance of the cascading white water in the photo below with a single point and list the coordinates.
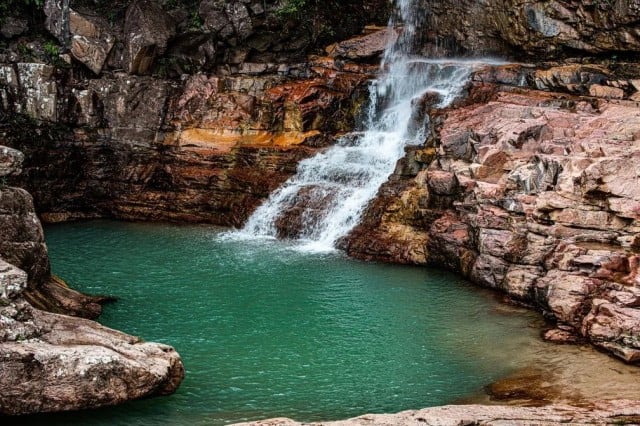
(334, 187)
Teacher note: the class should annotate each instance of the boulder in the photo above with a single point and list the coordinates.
(89, 38)
(366, 46)
(228, 20)
(51, 362)
(147, 31)
(12, 26)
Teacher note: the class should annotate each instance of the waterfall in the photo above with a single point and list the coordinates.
(325, 199)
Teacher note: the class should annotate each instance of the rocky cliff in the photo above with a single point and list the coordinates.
(528, 186)
(204, 147)
(53, 362)
(532, 29)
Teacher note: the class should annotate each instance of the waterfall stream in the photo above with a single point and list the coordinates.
(329, 192)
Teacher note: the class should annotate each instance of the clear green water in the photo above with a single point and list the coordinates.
(266, 331)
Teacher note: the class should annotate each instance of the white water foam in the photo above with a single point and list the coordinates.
(334, 187)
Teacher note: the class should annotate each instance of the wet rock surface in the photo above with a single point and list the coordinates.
(209, 148)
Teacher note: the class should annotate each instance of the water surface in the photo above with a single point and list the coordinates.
(266, 330)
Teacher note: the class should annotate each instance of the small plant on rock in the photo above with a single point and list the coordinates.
(51, 49)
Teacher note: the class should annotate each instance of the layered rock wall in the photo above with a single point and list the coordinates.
(529, 192)
(52, 362)
(209, 148)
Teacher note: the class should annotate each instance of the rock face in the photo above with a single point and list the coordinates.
(87, 36)
(22, 244)
(147, 29)
(529, 192)
(557, 28)
(210, 148)
(51, 362)
(610, 412)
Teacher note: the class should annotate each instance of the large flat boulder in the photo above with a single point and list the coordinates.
(51, 362)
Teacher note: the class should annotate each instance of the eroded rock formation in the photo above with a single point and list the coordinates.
(529, 192)
(53, 362)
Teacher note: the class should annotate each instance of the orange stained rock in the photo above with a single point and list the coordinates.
(224, 141)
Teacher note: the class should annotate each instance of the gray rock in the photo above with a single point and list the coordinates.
(226, 19)
(147, 30)
(31, 89)
(606, 412)
(10, 161)
(89, 38)
(12, 26)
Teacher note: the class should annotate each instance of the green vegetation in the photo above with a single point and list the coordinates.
(51, 49)
(25, 50)
(195, 21)
(291, 8)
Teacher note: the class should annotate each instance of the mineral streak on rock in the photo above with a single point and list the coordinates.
(210, 148)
